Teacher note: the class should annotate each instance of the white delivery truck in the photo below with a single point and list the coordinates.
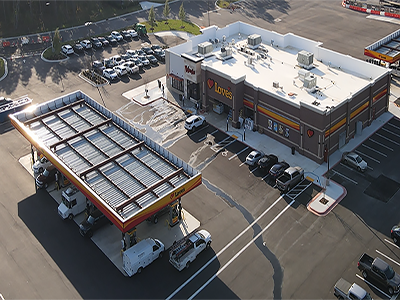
(183, 252)
(73, 203)
(141, 255)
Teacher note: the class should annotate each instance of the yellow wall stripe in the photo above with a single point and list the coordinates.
(279, 118)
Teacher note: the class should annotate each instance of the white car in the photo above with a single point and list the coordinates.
(120, 70)
(131, 53)
(354, 160)
(116, 35)
(40, 165)
(110, 74)
(131, 67)
(132, 32)
(194, 122)
(117, 60)
(67, 49)
(144, 60)
(254, 157)
(86, 44)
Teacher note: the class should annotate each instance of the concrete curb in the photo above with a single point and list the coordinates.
(51, 61)
(91, 82)
(5, 69)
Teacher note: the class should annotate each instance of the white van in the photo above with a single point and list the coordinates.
(141, 255)
(73, 203)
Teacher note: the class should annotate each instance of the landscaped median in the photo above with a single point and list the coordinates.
(2, 67)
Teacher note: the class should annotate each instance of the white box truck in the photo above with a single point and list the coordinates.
(183, 252)
(141, 255)
(73, 203)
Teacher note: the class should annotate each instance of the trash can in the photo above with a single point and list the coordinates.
(293, 150)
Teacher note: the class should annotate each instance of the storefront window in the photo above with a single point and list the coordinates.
(177, 84)
(193, 90)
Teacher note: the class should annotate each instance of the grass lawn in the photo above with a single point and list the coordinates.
(173, 25)
(225, 3)
(2, 69)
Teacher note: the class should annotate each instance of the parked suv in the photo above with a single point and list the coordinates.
(267, 161)
(48, 176)
(194, 122)
(94, 221)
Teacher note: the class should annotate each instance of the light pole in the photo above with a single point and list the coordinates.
(329, 141)
(88, 24)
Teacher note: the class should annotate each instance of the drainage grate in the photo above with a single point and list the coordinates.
(382, 188)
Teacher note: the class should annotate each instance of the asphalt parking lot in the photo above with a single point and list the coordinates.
(265, 245)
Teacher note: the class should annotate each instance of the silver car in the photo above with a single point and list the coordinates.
(354, 160)
(254, 157)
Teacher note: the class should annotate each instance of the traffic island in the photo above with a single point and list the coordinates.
(93, 78)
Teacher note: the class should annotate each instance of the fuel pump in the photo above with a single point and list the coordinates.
(174, 213)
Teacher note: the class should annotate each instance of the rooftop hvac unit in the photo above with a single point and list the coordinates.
(275, 84)
(253, 41)
(226, 53)
(303, 74)
(310, 83)
(249, 60)
(204, 48)
(305, 59)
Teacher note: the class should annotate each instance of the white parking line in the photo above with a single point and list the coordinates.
(240, 252)
(380, 144)
(253, 169)
(224, 249)
(233, 156)
(369, 283)
(387, 257)
(372, 149)
(398, 135)
(391, 243)
(386, 138)
(242, 163)
(265, 177)
(343, 176)
(390, 124)
(365, 155)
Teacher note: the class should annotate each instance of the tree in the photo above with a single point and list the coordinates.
(182, 14)
(152, 18)
(166, 11)
(57, 41)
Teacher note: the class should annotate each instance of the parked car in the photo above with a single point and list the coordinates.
(345, 291)
(117, 59)
(103, 41)
(67, 49)
(137, 62)
(132, 32)
(131, 67)
(98, 67)
(290, 178)
(354, 160)
(147, 50)
(131, 53)
(277, 169)
(111, 40)
(126, 35)
(94, 221)
(155, 47)
(140, 52)
(120, 70)
(144, 60)
(253, 157)
(110, 74)
(78, 48)
(159, 54)
(152, 59)
(46, 177)
(266, 162)
(96, 42)
(40, 165)
(86, 44)
(194, 122)
(108, 63)
(116, 35)
(395, 234)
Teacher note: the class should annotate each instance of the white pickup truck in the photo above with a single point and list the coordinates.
(183, 252)
(344, 290)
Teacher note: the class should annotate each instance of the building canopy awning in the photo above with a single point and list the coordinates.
(124, 173)
(175, 77)
(386, 49)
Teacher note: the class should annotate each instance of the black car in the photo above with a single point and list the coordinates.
(152, 59)
(96, 43)
(94, 221)
(278, 169)
(140, 52)
(126, 35)
(267, 161)
(147, 50)
(155, 47)
(111, 40)
(103, 41)
(159, 54)
(395, 234)
(78, 48)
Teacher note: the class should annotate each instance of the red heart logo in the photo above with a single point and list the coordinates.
(210, 83)
(310, 132)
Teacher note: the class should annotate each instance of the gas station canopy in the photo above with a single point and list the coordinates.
(125, 174)
(386, 49)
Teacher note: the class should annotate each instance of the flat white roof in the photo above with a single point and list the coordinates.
(338, 77)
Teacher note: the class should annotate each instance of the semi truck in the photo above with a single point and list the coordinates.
(185, 251)
(141, 255)
(344, 290)
(380, 271)
(73, 203)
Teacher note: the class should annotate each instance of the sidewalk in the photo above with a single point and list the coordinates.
(331, 194)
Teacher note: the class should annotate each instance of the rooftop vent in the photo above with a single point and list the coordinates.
(253, 41)
(303, 74)
(310, 82)
(226, 53)
(275, 84)
(305, 59)
(204, 48)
